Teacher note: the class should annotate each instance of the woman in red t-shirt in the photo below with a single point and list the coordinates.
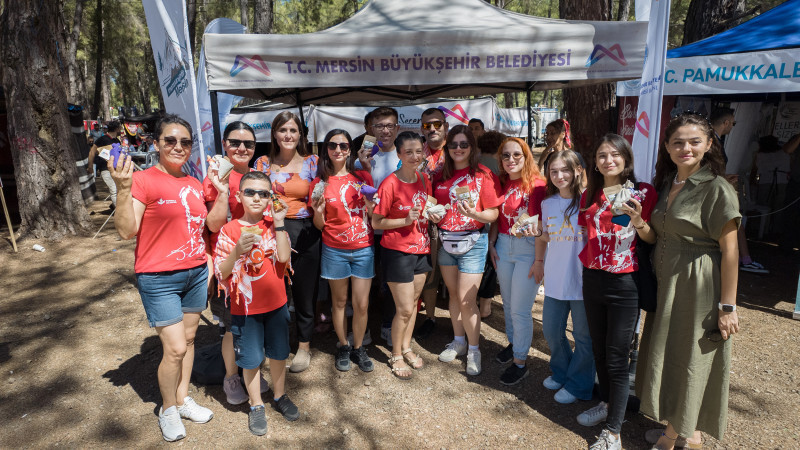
(610, 293)
(164, 209)
(341, 212)
(292, 168)
(472, 193)
(406, 258)
(513, 254)
(239, 143)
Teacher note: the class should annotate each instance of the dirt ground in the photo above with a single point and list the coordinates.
(78, 369)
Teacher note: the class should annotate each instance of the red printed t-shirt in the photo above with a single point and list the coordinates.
(235, 208)
(255, 285)
(612, 247)
(484, 188)
(170, 235)
(394, 200)
(518, 202)
(347, 224)
(292, 187)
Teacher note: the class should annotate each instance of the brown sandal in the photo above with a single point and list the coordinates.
(403, 373)
(412, 359)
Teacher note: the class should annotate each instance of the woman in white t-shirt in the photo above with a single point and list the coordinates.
(563, 239)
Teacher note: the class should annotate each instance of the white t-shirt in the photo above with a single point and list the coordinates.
(563, 271)
(383, 165)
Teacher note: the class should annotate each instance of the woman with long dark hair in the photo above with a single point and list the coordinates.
(292, 168)
(473, 193)
(341, 212)
(615, 210)
(685, 356)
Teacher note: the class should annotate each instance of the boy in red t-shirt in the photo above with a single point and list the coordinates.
(250, 260)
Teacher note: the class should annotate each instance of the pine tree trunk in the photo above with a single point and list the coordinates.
(98, 71)
(191, 18)
(706, 18)
(243, 8)
(262, 19)
(624, 10)
(43, 149)
(588, 109)
(77, 90)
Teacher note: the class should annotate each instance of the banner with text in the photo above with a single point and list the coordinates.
(646, 134)
(169, 36)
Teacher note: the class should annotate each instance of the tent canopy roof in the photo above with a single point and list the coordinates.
(775, 29)
(415, 49)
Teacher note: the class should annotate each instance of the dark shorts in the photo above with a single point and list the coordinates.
(167, 295)
(400, 267)
(261, 335)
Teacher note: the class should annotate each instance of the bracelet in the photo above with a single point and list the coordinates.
(641, 227)
(281, 228)
(539, 260)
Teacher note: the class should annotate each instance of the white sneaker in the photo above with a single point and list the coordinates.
(593, 416)
(452, 351)
(194, 412)
(365, 341)
(607, 441)
(564, 397)
(235, 393)
(171, 426)
(386, 335)
(552, 384)
(473, 362)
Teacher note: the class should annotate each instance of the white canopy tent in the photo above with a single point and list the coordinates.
(415, 49)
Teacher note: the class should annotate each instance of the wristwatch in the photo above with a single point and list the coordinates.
(726, 307)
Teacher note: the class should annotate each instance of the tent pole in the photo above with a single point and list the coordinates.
(215, 122)
(528, 89)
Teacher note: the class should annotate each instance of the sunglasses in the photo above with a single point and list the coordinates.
(455, 145)
(342, 145)
(435, 124)
(509, 156)
(252, 192)
(235, 143)
(170, 142)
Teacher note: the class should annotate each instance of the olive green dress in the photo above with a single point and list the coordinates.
(682, 375)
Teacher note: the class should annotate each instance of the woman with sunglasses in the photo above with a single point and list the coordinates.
(342, 212)
(685, 357)
(165, 209)
(292, 168)
(472, 193)
(239, 144)
(615, 220)
(513, 254)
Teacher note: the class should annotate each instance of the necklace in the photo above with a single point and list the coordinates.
(281, 166)
(676, 182)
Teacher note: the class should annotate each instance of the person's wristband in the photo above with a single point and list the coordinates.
(641, 227)
(280, 228)
(539, 260)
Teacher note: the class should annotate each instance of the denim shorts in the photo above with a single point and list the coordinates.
(471, 262)
(261, 335)
(167, 295)
(338, 264)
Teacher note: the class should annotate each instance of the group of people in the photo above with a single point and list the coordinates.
(415, 209)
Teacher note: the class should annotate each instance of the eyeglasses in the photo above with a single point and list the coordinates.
(455, 145)
(170, 142)
(235, 143)
(342, 145)
(252, 192)
(509, 156)
(435, 124)
(385, 126)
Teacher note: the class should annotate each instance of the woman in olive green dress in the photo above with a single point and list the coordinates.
(685, 354)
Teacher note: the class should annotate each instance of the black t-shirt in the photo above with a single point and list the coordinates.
(101, 164)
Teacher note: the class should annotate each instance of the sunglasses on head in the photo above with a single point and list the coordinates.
(455, 145)
(252, 192)
(342, 145)
(435, 124)
(171, 142)
(235, 143)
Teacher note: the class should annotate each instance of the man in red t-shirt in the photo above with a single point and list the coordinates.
(434, 127)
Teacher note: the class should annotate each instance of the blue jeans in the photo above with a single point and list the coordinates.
(574, 370)
(515, 258)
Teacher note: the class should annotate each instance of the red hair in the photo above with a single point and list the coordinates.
(530, 170)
